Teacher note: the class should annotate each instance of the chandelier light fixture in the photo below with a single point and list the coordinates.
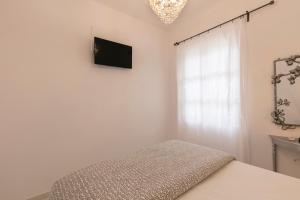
(167, 10)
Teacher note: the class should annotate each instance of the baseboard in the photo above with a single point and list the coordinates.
(40, 197)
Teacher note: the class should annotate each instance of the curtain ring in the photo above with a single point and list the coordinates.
(248, 16)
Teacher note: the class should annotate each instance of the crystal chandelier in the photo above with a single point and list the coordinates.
(167, 10)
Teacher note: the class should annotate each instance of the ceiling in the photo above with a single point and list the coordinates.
(140, 9)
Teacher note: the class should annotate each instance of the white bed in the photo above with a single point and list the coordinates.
(175, 169)
(239, 181)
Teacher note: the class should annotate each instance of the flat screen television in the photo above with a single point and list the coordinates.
(112, 54)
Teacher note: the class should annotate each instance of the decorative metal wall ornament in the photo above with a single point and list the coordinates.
(279, 114)
(293, 74)
(279, 118)
(281, 102)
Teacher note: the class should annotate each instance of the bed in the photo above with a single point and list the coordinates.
(238, 181)
(174, 170)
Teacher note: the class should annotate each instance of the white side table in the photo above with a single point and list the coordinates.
(283, 142)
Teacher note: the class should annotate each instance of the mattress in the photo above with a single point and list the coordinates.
(238, 181)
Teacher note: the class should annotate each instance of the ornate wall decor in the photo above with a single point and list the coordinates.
(287, 92)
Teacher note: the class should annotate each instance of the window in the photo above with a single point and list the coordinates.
(210, 87)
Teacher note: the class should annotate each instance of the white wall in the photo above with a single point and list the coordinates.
(58, 111)
(272, 33)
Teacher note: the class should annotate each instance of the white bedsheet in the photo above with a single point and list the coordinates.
(239, 181)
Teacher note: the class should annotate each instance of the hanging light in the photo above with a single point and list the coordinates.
(167, 10)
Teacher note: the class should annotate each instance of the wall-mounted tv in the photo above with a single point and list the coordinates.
(112, 54)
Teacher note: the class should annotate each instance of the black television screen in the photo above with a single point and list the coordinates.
(112, 54)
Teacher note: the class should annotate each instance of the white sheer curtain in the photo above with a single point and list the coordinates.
(211, 84)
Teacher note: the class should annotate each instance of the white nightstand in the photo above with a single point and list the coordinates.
(283, 142)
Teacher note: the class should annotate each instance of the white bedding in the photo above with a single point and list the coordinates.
(238, 181)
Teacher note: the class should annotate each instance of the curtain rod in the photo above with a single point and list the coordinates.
(226, 22)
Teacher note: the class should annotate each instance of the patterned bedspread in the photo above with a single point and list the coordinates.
(161, 172)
